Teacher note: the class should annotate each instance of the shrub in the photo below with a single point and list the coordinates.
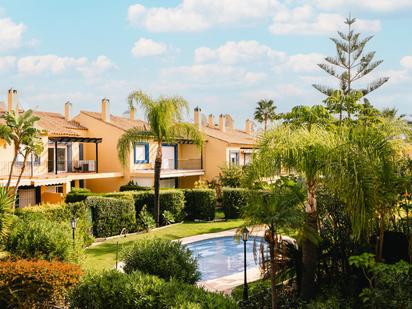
(233, 200)
(63, 213)
(111, 215)
(113, 289)
(145, 221)
(35, 284)
(170, 200)
(79, 195)
(163, 258)
(200, 204)
(42, 239)
(132, 187)
(231, 176)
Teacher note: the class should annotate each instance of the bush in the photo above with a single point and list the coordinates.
(132, 187)
(170, 200)
(233, 200)
(35, 284)
(63, 213)
(113, 289)
(163, 258)
(42, 239)
(200, 204)
(111, 215)
(231, 176)
(79, 195)
(145, 221)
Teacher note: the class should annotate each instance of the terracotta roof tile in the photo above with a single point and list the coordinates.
(122, 123)
(232, 136)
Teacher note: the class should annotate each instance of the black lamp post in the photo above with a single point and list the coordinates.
(73, 224)
(245, 237)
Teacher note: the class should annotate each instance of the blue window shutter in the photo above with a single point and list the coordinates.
(146, 153)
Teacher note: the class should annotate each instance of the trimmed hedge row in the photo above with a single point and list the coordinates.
(233, 200)
(200, 204)
(36, 284)
(132, 187)
(137, 290)
(111, 215)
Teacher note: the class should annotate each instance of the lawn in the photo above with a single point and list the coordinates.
(103, 256)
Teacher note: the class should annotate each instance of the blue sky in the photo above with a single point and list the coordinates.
(222, 55)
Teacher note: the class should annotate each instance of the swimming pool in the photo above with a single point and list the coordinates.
(222, 256)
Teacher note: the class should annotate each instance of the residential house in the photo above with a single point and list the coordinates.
(70, 157)
(225, 145)
(182, 161)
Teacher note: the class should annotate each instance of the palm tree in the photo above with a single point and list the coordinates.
(277, 208)
(20, 131)
(307, 116)
(265, 112)
(6, 216)
(164, 116)
(305, 152)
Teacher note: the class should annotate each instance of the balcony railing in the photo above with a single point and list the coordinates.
(5, 167)
(188, 164)
(75, 166)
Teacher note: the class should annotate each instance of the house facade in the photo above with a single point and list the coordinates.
(225, 144)
(69, 159)
(182, 163)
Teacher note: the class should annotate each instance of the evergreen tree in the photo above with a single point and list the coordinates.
(351, 63)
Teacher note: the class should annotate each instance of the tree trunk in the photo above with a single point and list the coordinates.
(272, 249)
(381, 238)
(309, 247)
(157, 170)
(11, 169)
(16, 187)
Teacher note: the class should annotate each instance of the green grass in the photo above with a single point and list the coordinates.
(103, 256)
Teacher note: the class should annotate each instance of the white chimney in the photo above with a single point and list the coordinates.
(67, 111)
(132, 113)
(222, 123)
(248, 126)
(211, 121)
(197, 117)
(12, 100)
(106, 110)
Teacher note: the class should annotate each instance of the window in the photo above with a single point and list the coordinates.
(234, 157)
(61, 159)
(33, 158)
(141, 153)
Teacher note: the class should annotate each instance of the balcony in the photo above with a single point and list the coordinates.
(75, 166)
(171, 168)
(5, 167)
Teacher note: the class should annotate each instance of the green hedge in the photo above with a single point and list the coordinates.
(233, 200)
(200, 204)
(113, 289)
(62, 213)
(170, 200)
(79, 196)
(132, 187)
(111, 215)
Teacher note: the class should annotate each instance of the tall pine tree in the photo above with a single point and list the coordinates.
(351, 63)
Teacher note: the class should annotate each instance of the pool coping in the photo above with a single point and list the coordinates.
(226, 284)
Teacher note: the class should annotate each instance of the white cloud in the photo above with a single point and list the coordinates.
(10, 34)
(147, 47)
(35, 65)
(375, 5)
(7, 62)
(304, 20)
(406, 62)
(197, 15)
(304, 62)
(217, 74)
(237, 52)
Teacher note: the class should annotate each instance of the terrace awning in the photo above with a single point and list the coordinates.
(75, 139)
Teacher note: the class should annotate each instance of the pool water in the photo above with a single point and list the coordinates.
(222, 256)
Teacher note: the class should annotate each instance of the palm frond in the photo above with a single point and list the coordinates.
(185, 131)
(131, 136)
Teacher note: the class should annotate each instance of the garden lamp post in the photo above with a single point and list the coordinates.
(245, 237)
(73, 224)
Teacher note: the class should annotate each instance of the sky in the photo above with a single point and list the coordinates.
(220, 55)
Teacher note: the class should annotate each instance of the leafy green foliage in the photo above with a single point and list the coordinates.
(145, 221)
(132, 187)
(170, 200)
(111, 215)
(307, 116)
(265, 112)
(231, 176)
(200, 204)
(168, 217)
(234, 200)
(6, 215)
(42, 239)
(137, 290)
(79, 195)
(163, 258)
(36, 284)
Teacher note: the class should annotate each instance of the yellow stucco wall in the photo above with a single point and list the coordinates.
(214, 157)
